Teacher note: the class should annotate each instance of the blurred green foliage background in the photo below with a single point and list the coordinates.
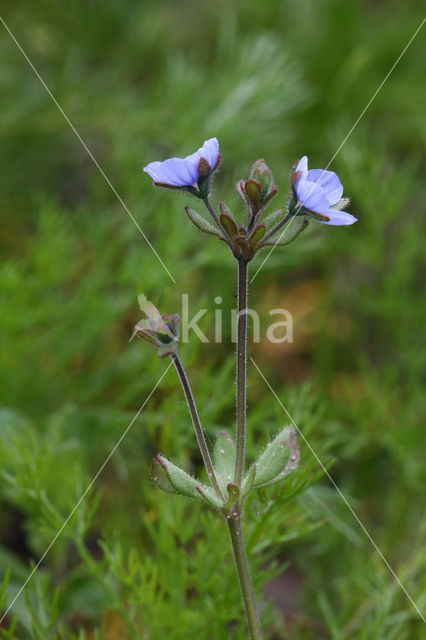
(147, 80)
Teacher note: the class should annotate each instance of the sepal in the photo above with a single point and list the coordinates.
(161, 330)
(168, 477)
(227, 220)
(342, 204)
(253, 191)
(261, 173)
(258, 190)
(233, 494)
(224, 459)
(248, 482)
(257, 235)
(278, 460)
(201, 223)
(270, 220)
(294, 227)
(209, 496)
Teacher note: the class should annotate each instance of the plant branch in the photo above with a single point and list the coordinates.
(212, 212)
(277, 228)
(247, 591)
(241, 367)
(199, 433)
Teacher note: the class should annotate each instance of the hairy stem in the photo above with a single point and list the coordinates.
(199, 433)
(247, 592)
(241, 366)
(212, 212)
(277, 228)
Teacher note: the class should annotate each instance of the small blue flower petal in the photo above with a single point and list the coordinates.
(329, 182)
(311, 196)
(209, 151)
(183, 172)
(338, 218)
(302, 166)
(318, 190)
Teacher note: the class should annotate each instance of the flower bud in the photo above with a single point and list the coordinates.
(192, 174)
(258, 190)
(160, 330)
(263, 175)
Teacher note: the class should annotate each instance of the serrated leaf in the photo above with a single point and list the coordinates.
(201, 223)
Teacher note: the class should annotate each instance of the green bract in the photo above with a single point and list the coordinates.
(278, 460)
(224, 459)
(168, 477)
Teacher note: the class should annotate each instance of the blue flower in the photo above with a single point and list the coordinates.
(317, 192)
(189, 173)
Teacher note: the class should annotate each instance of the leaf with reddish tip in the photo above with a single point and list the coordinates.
(254, 191)
(209, 496)
(257, 235)
(168, 477)
(227, 220)
(273, 192)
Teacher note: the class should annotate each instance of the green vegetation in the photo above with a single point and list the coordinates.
(147, 80)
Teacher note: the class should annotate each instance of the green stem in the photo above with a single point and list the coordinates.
(247, 592)
(241, 362)
(199, 433)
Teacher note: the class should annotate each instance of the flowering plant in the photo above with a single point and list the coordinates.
(315, 195)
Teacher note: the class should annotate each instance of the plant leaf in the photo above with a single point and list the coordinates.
(201, 223)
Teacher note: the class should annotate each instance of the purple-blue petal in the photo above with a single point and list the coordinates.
(209, 151)
(338, 218)
(182, 172)
(174, 171)
(329, 182)
(152, 169)
(312, 196)
(302, 166)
